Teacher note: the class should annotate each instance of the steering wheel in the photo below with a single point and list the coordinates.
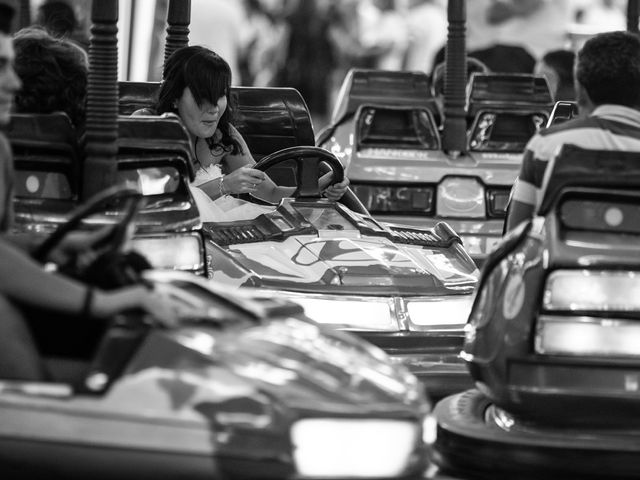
(307, 160)
(97, 203)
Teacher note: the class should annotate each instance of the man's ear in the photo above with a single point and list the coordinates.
(585, 105)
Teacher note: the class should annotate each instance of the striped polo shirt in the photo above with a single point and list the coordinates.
(609, 127)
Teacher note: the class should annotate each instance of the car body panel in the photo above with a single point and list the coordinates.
(551, 338)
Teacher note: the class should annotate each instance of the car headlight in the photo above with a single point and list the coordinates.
(588, 290)
(368, 313)
(367, 448)
(461, 197)
(179, 252)
(447, 311)
(561, 335)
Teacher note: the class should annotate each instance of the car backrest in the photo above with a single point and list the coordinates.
(269, 119)
(156, 135)
(273, 118)
(379, 88)
(576, 167)
(505, 109)
(47, 155)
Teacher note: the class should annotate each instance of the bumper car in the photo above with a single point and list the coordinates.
(385, 133)
(246, 387)
(552, 337)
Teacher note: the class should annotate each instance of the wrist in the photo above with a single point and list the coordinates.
(223, 190)
(87, 303)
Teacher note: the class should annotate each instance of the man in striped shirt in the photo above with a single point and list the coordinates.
(608, 93)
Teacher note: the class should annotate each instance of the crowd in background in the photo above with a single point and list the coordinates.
(311, 44)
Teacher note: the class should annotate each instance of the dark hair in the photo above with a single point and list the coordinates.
(562, 62)
(608, 68)
(208, 76)
(54, 74)
(437, 77)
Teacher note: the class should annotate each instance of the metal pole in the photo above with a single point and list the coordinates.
(455, 80)
(100, 165)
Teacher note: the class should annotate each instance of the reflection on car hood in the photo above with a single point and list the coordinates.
(299, 365)
(325, 247)
(351, 264)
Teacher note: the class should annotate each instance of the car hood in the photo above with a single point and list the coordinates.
(305, 365)
(348, 264)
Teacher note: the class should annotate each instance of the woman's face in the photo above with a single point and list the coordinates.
(201, 121)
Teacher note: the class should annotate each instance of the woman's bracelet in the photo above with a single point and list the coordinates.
(86, 304)
(221, 185)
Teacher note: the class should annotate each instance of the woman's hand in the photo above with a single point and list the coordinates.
(333, 192)
(243, 180)
(164, 310)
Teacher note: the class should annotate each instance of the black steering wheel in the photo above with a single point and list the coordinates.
(307, 160)
(97, 203)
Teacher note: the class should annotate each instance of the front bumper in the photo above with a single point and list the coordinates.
(433, 357)
(595, 392)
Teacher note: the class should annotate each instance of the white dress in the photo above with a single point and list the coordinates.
(225, 208)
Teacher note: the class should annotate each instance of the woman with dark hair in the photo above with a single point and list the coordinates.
(54, 74)
(196, 87)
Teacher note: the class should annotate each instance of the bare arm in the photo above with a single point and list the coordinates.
(241, 180)
(23, 279)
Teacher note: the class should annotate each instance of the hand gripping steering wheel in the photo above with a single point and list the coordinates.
(307, 160)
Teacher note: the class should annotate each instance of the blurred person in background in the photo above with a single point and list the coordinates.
(221, 26)
(557, 67)
(265, 51)
(345, 36)
(60, 19)
(427, 25)
(309, 55)
(385, 29)
(537, 25)
(503, 58)
(595, 16)
(602, 16)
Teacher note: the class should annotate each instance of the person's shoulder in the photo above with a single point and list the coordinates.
(570, 126)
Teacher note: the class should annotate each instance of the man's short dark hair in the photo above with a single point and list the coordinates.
(608, 68)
